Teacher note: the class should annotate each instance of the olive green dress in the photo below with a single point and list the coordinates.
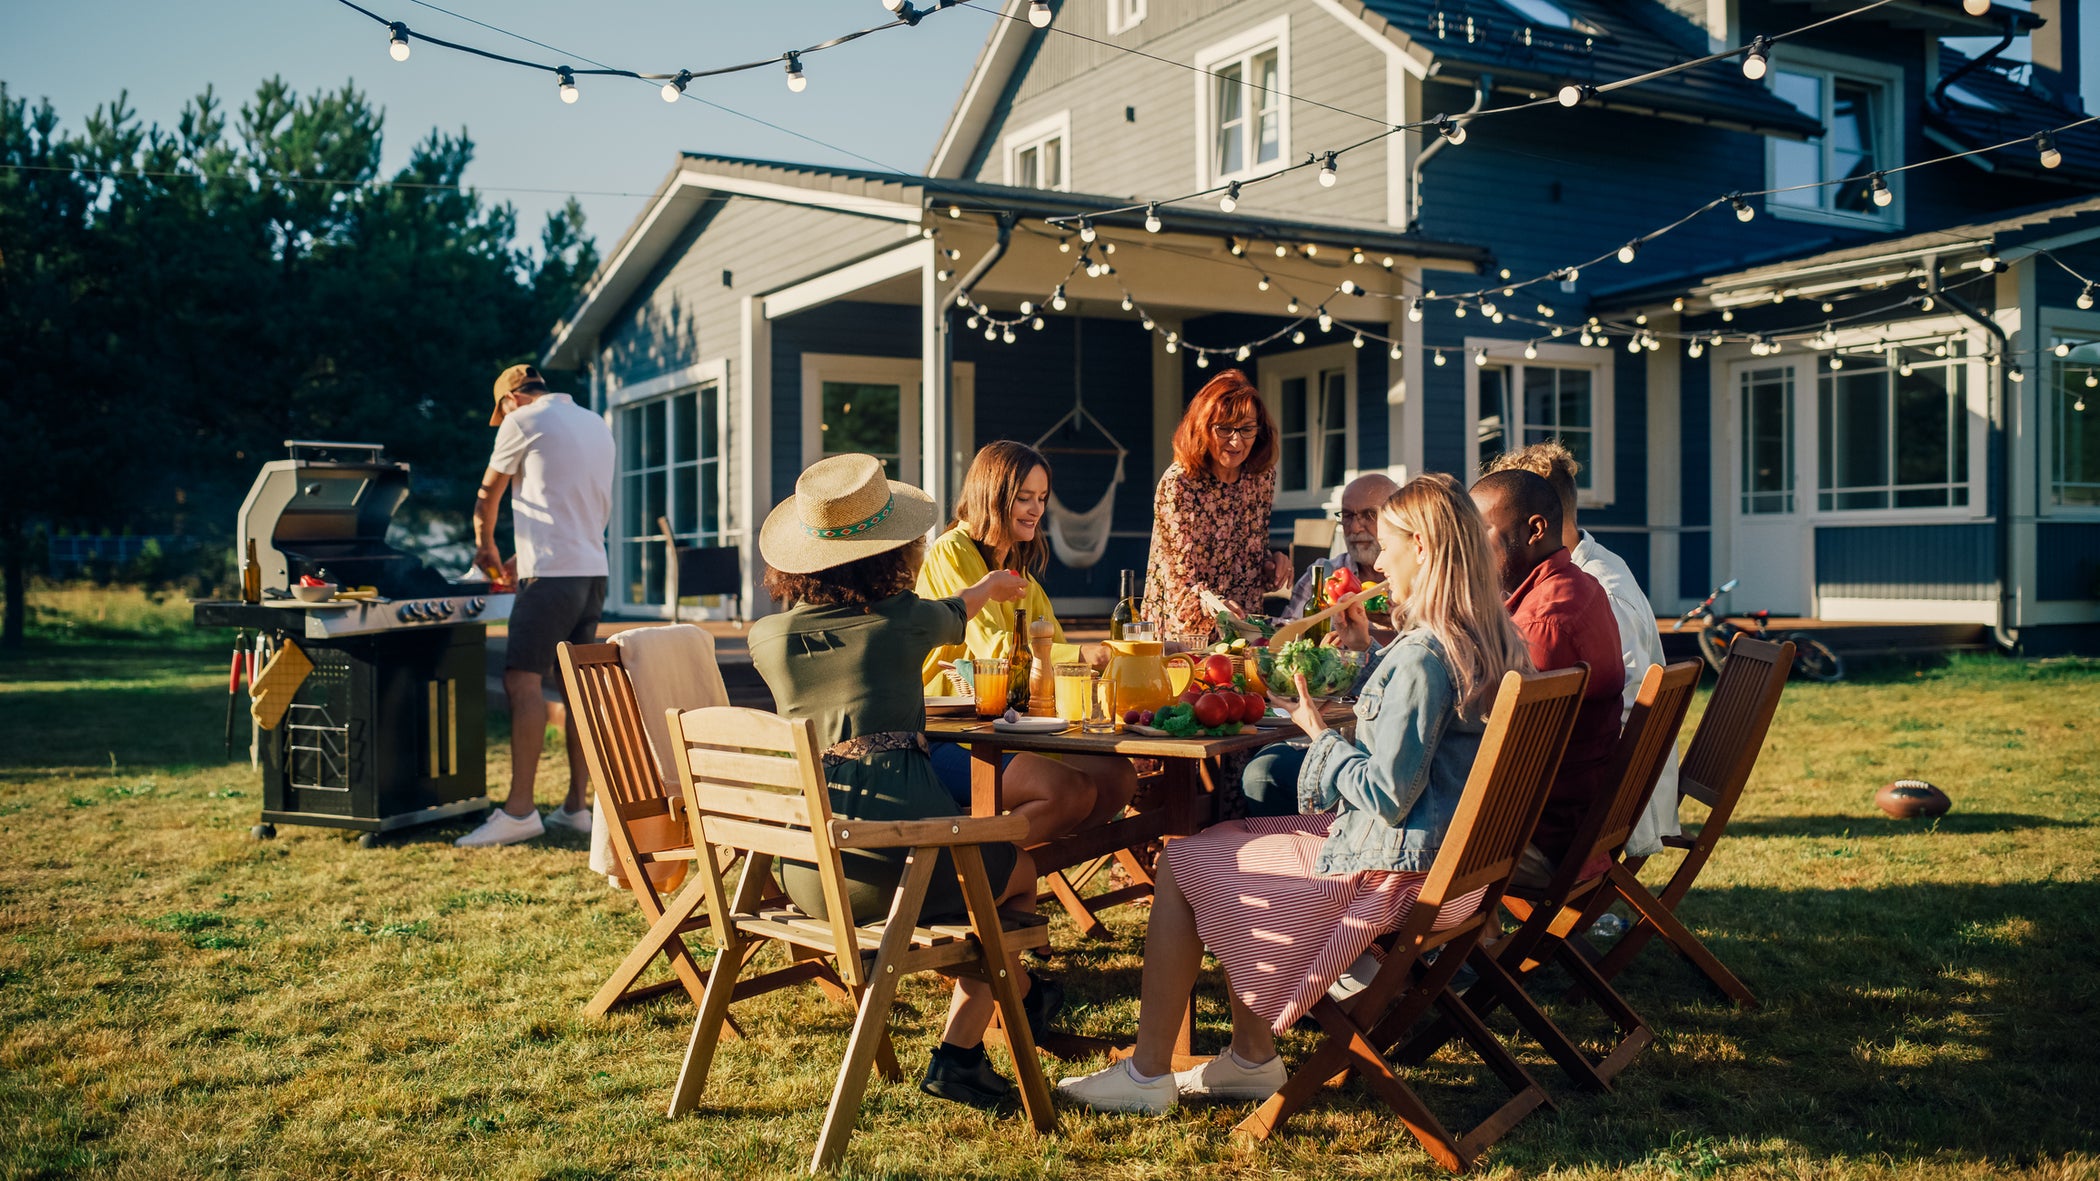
(854, 670)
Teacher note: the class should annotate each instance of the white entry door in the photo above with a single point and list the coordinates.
(864, 404)
(1769, 535)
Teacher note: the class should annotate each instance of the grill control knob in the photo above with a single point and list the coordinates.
(405, 612)
(476, 606)
(444, 609)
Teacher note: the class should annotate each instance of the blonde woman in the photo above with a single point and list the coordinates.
(1286, 903)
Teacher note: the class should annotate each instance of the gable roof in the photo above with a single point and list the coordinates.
(699, 178)
(2020, 110)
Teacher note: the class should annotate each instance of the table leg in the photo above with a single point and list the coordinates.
(986, 776)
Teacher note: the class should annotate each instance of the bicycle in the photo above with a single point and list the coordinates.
(1813, 658)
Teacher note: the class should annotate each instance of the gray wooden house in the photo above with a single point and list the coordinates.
(1920, 445)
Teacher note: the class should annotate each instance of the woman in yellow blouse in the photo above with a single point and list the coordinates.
(998, 526)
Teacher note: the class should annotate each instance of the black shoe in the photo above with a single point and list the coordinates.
(1043, 1005)
(962, 1075)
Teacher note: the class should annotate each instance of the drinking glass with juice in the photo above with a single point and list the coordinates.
(990, 681)
(1074, 686)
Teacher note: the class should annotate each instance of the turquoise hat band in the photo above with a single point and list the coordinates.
(856, 529)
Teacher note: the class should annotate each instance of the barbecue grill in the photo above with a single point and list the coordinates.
(387, 731)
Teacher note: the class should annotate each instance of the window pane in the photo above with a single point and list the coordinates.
(1230, 92)
(710, 423)
(1852, 145)
(1054, 164)
(1270, 139)
(1795, 162)
(1291, 442)
(654, 484)
(1541, 408)
(1768, 476)
(710, 502)
(1853, 412)
(685, 495)
(631, 519)
(630, 439)
(685, 431)
(864, 418)
(2075, 414)
(1334, 424)
(1574, 397)
(1492, 438)
(653, 434)
(1923, 455)
(1025, 171)
(1294, 407)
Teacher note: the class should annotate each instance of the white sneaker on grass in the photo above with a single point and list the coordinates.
(1118, 1088)
(577, 821)
(502, 828)
(1230, 1077)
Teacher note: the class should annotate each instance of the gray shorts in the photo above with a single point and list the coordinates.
(548, 611)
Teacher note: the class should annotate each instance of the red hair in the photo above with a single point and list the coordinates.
(1221, 400)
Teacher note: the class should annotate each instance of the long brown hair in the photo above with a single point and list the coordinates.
(1457, 593)
(986, 504)
(1221, 400)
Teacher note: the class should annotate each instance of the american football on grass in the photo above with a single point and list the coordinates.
(1908, 799)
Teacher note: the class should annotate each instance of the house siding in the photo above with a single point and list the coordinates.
(1330, 63)
(1937, 562)
(2067, 561)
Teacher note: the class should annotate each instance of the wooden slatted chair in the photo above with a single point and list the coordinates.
(1503, 798)
(753, 783)
(1549, 913)
(1716, 768)
(645, 826)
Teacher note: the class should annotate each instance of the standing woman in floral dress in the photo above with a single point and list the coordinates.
(1211, 513)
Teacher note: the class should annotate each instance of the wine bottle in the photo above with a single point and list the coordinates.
(1126, 605)
(1018, 664)
(1318, 602)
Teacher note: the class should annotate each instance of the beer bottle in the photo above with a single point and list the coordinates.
(251, 575)
(1018, 664)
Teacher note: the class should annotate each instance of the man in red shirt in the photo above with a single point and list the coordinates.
(1565, 617)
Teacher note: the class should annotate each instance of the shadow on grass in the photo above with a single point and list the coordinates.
(146, 718)
(1874, 824)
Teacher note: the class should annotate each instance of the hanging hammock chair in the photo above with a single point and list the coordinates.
(1080, 538)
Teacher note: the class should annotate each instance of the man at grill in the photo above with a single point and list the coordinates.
(556, 460)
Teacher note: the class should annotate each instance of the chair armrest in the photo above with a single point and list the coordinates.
(940, 830)
(1680, 842)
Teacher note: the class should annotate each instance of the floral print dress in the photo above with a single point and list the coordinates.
(1207, 534)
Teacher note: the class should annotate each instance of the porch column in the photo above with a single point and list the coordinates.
(934, 382)
(753, 374)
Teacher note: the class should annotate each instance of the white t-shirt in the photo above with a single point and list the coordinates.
(561, 456)
(1641, 641)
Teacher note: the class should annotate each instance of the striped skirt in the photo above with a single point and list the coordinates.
(1283, 932)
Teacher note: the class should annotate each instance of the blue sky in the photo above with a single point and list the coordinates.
(884, 96)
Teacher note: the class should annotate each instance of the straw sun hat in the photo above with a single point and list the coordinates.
(844, 509)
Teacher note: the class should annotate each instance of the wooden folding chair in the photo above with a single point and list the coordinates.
(1548, 914)
(1503, 798)
(1716, 768)
(753, 784)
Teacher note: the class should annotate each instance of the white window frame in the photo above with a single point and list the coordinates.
(1889, 133)
(689, 379)
(1808, 462)
(1309, 364)
(1125, 15)
(907, 373)
(1603, 395)
(2074, 326)
(1241, 49)
(1035, 135)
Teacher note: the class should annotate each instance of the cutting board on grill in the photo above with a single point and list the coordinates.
(276, 684)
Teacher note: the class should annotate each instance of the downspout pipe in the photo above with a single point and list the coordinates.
(983, 265)
(1482, 88)
(2006, 636)
(1939, 92)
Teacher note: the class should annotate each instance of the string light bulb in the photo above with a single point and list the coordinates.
(1926, 304)
(1057, 298)
(2085, 297)
(1243, 353)
(565, 78)
(1878, 189)
(2016, 374)
(1628, 251)
(1357, 256)
(1903, 369)
(1754, 57)
(1007, 336)
(1988, 264)
(2092, 381)
(1677, 305)
(1531, 351)
(1837, 362)
(1326, 321)
(1328, 174)
(1451, 129)
(1229, 202)
(1152, 218)
(1086, 230)
(893, 5)
(1262, 284)
(1128, 303)
(1171, 345)
(1439, 358)
(1202, 360)
(1976, 7)
(1574, 94)
(2044, 145)
(676, 87)
(1480, 358)
(1292, 307)
(1414, 311)
(1694, 349)
(1036, 324)
(1298, 336)
(1743, 210)
(1357, 342)
(397, 41)
(1569, 276)
(1393, 353)
(1348, 287)
(1039, 13)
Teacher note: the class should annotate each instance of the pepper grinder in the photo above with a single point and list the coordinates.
(1042, 673)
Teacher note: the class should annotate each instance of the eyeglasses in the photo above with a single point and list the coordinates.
(1367, 516)
(1223, 431)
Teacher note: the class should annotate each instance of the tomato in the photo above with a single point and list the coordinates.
(1255, 706)
(1190, 694)
(1212, 710)
(310, 580)
(1217, 669)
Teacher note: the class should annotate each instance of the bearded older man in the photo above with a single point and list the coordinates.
(1359, 517)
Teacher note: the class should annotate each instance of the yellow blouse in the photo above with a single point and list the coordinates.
(953, 564)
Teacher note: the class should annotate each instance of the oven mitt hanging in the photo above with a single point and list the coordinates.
(276, 684)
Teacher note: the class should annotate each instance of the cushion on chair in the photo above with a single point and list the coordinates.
(670, 667)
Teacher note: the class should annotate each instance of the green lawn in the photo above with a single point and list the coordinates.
(180, 1000)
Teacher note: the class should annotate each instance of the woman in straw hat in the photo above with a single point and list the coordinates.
(841, 556)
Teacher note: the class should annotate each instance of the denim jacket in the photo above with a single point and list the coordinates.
(1396, 787)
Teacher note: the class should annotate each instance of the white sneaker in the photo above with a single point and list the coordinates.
(1117, 1089)
(502, 828)
(1226, 1077)
(1355, 978)
(578, 821)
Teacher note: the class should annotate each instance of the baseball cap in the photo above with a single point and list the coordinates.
(518, 379)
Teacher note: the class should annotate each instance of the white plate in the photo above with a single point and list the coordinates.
(1272, 719)
(1032, 726)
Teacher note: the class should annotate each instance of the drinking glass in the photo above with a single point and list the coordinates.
(989, 680)
(1141, 629)
(1074, 688)
(1102, 716)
